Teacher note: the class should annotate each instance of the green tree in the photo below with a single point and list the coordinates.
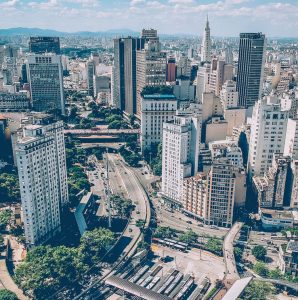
(5, 217)
(259, 252)
(261, 269)
(123, 207)
(214, 245)
(258, 290)
(47, 269)
(238, 253)
(275, 274)
(7, 295)
(9, 188)
(164, 232)
(95, 244)
(188, 237)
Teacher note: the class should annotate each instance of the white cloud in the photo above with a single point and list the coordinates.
(9, 4)
(136, 2)
(44, 5)
(181, 1)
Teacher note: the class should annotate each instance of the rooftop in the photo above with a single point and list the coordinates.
(159, 96)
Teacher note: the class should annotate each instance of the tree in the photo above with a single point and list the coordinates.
(5, 217)
(47, 269)
(258, 290)
(275, 274)
(214, 245)
(261, 269)
(164, 232)
(259, 252)
(7, 295)
(123, 207)
(188, 237)
(9, 188)
(238, 253)
(95, 244)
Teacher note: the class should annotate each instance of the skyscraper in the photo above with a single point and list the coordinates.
(124, 85)
(206, 44)
(180, 154)
(90, 69)
(151, 69)
(40, 153)
(268, 134)
(43, 44)
(45, 75)
(171, 69)
(250, 68)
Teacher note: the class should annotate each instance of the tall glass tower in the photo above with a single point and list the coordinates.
(250, 68)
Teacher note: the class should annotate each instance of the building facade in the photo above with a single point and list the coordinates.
(45, 75)
(44, 44)
(156, 109)
(40, 153)
(250, 68)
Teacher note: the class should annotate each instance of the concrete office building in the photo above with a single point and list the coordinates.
(220, 72)
(268, 134)
(151, 69)
(43, 44)
(180, 153)
(14, 102)
(203, 77)
(194, 196)
(156, 109)
(90, 70)
(45, 75)
(124, 73)
(184, 90)
(229, 95)
(40, 153)
(250, 68)
(274, 189)
(221, 193)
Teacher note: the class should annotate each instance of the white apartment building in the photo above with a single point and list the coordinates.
(40, 154)
(180, 153)
(156, 109)
(268, 134)
(229, 95)
(45, 75)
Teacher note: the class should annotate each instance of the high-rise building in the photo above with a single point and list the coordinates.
(206, 44)
(180, 153)
(118, 75)
(220, 72)
(151, 69)
(250, 67)
(171, 69)
(43, 44)
(124, 85)
(274, 189)
(90, 69)
(229, 95)
(203, 78)
(268, 134)
(45, 75)
(40, 153)
(221, 193)
(156, 109)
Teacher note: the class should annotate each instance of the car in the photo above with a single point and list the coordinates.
(189, 222)
(130, 230)
(201, 225)
(214, 227)
(137, 212)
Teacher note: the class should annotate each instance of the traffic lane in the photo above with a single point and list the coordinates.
(166, 217)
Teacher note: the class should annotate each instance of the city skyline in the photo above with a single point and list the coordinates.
(227, 18)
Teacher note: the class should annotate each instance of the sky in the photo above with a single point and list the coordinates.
(227, 17)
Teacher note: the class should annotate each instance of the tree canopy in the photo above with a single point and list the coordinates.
(7, 295)
(259, 252)
(258, 290)
(9, 188)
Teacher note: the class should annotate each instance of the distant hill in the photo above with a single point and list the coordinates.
(50, 32)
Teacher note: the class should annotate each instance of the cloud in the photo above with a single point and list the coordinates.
(136, 2)
(181, 1)
(44, 5)
(9, 4)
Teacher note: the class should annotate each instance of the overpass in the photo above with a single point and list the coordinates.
(98, 132)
